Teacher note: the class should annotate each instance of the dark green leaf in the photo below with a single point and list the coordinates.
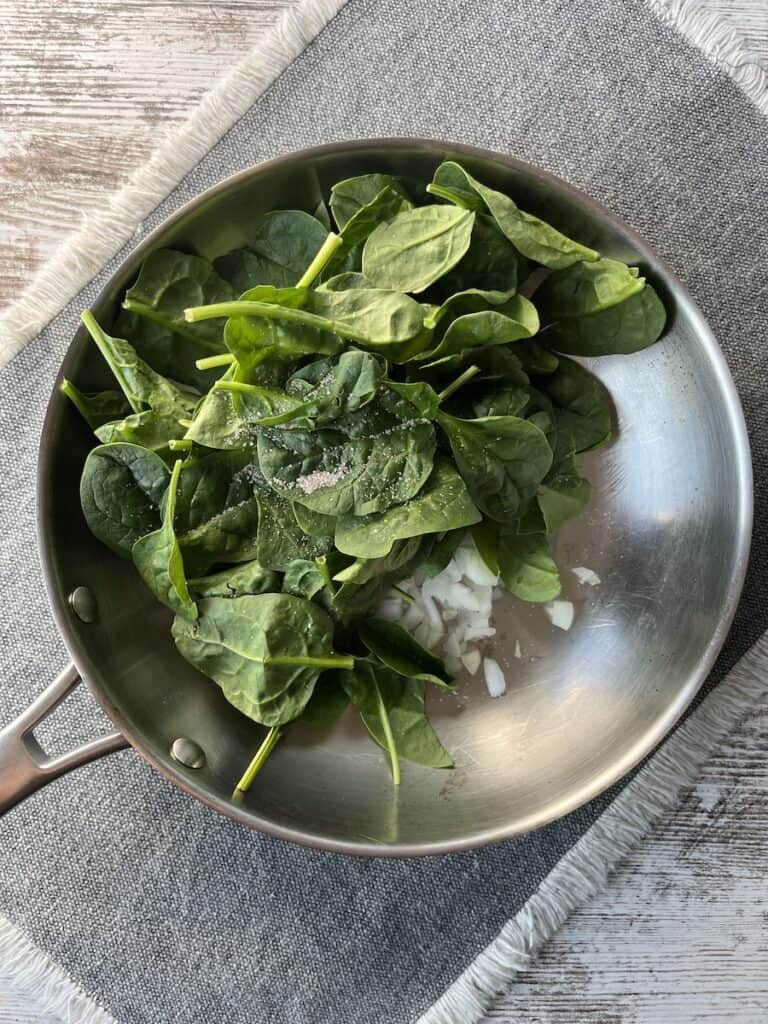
(168, 283)
(121, 489)
(280, 538)
(157, 556)
(416, 247)
(364, 569)
(527, 567)
(564, 494)
(314, 524)
(285, 243)
(583, 408)
(217, 511)
(516, 319)
(96, 409)
(442, 504)
(403, 703)
(265, 651)
(502, 459)
(328, 701)
(585, 288)
(173, 355)
(442, 552)
(236, 581)
(532, 237)
(399, 651)
(633, 324)
(332, 473)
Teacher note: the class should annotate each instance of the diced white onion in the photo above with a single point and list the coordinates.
(518, 651)
(472, 661)
(560, 613)
(413, 617)
(494, 677)
(585, 575)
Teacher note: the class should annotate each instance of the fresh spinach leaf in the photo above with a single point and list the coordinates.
(509, 322)
(236, 581)
(527, 567)
(502, 460)
(217, 508)
(141, 385)
(585, 288)
(400, 652)
(564, 494)
(442, 504)
(393, 710)
(333, 473)
(121, 489)
(328, 701)
(441, 552)
(416, 247)
(171, 354)
(531, 236)
(627, 327)
(582, 406)
(364, 569)
(491, 264)
(314, 524)
(157, 556)
(280, 539)
(284, 245)
(265, 651)
(96, 409)
(168, 282)
(359, 204)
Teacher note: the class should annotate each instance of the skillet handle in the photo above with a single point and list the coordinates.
(24, 765)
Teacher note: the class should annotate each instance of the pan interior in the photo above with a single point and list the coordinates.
(666, 533)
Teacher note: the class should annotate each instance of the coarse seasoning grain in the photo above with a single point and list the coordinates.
(312, 482)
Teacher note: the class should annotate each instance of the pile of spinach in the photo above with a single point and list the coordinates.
(313, 417)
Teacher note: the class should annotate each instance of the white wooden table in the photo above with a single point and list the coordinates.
(681, 934)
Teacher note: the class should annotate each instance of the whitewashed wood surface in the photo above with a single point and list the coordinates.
(681, 934)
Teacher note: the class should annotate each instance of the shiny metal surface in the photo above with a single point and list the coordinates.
(24, 765)
(667, 531)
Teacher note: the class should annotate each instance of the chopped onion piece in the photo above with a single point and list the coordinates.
(413, 617)
(584, 575)
(494, 677)
(560, 613)
(476, 570)
(518, 651)
(475, 633)
(471, 661)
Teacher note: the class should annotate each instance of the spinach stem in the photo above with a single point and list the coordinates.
(247, 307)
(450, 195)
(330, 661)
(468, 374)
(100, 337)
(180, 444)
(261, 755)
(177, 325)
(234, 385)
(324, 254)
(402, 594)
(211, 362)
(386, 726)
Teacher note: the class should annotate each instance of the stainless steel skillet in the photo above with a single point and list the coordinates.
(668, 534)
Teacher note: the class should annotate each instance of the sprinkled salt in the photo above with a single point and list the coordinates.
(312, 482)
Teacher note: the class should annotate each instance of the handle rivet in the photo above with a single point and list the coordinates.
(188, 753)
(83, 604)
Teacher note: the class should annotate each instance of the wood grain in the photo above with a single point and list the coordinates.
(680, 936)
(85, 88)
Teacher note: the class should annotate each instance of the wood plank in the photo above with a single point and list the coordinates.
(85, 89)
(680, 936)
